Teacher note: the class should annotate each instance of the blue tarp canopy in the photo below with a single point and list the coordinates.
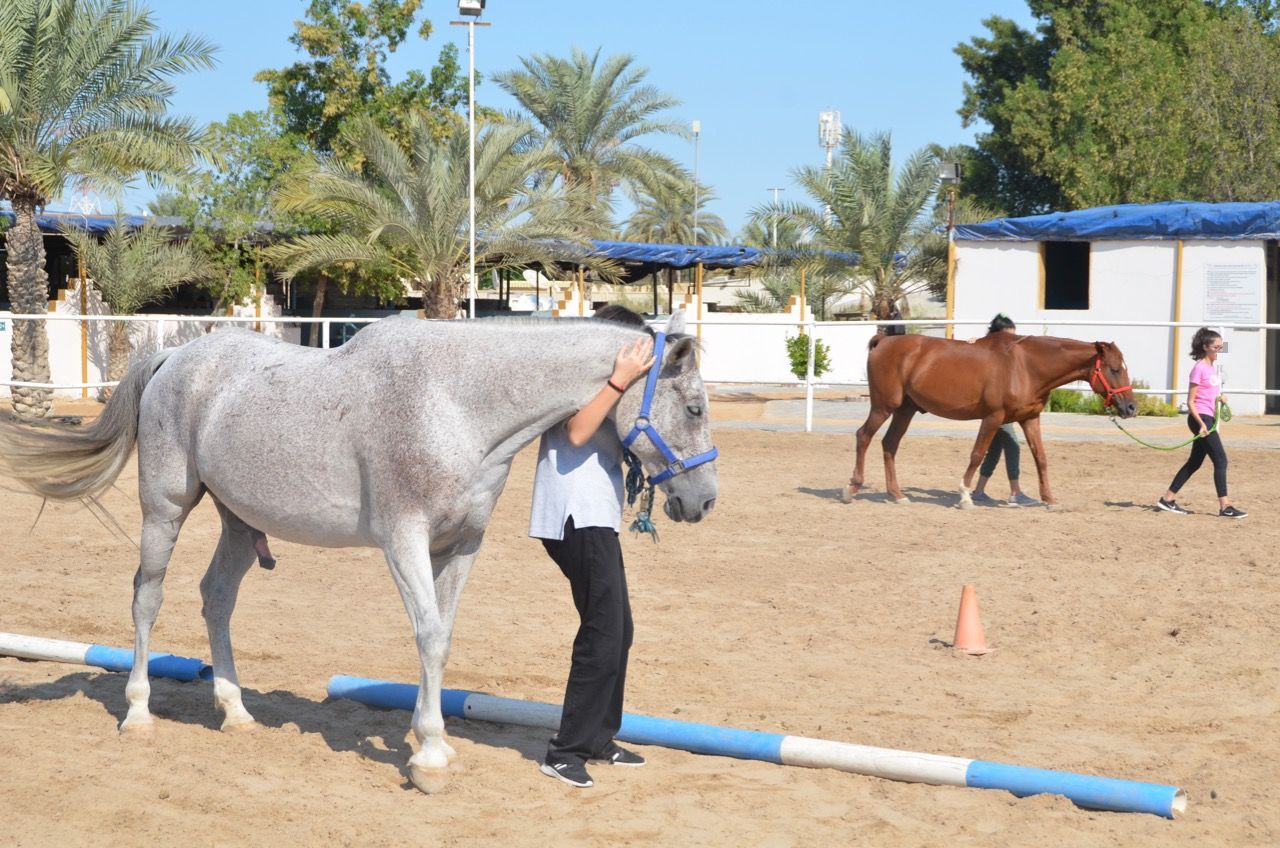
(55, 222)
(1174, 219)
(678, 255)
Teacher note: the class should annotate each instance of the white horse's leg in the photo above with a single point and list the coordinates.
(408, 556)
(233, 558)
(159, 534)
(451, 571)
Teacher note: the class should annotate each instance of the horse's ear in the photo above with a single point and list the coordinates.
(1101, 347)
(676, 323)
(680, 353)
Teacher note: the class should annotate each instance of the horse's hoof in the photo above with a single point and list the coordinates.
(239, 725)
(903, 501)
(428, 780)
(1054, 507)
(137, 728)
(965, 503)
(847, 493)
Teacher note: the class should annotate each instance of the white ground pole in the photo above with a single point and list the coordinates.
(100, 656)
(1099, 793)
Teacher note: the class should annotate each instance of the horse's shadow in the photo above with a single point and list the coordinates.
(931, 497)
(379, 735)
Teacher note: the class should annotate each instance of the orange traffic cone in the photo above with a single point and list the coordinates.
(969, 638)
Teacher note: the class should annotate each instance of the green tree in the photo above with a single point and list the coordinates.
(407, 211)
(345, 77)
(592, 113)
(228, 208)
(84, 88)
(1114, 101)
(132, 267)
(871, 225)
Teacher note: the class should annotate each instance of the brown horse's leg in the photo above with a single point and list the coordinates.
(892, 438)
(986, 433)
(1031, 429)
(865, 434)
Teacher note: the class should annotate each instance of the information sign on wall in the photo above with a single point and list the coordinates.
(1232, 294)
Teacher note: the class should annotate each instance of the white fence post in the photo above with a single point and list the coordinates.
(324, 334)
(808, 378)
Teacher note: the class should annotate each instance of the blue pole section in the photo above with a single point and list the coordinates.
(158, 665)
(1095, 793)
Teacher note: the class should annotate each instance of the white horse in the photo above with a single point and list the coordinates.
(401, 439)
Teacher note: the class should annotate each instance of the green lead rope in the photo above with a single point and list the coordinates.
(637, 488)
(1224, 414)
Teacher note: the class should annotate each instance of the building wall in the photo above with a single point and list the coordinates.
(1128, 281)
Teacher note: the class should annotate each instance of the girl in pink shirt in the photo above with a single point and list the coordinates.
(1202, 396)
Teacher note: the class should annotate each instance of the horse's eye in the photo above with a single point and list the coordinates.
(694, 410)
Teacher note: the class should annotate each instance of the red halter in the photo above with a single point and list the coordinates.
(1107, 390)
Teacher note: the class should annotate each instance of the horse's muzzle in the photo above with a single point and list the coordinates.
(678, 510)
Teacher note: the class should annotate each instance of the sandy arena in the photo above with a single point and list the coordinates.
(1130, 643)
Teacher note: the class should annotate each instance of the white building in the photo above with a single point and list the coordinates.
(1207, 263)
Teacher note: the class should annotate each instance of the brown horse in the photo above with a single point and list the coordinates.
(999, 379)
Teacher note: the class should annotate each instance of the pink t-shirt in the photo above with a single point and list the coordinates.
(1203, 375)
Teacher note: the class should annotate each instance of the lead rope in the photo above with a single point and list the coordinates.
(636, 488)
(1224, 414)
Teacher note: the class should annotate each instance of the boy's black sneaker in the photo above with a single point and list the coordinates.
(1232, 512)
(618, 756)
(574, 774)
(1171, 506)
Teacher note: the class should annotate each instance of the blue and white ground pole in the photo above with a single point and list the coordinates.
(101, 656)
(1097, 793)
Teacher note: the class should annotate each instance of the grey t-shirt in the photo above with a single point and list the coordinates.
(584, 482)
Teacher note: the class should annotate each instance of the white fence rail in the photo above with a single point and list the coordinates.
(724, 353)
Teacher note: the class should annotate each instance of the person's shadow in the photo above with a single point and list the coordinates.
(379, 735)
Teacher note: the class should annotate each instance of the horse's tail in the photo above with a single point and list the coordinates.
(65, 463)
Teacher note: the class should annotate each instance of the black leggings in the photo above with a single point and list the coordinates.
(1210, 446)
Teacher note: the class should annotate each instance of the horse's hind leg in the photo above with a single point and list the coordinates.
(866, 433)
(892, 438)
(451, 570)
(409, 559)
(160, 525)
(219, 588)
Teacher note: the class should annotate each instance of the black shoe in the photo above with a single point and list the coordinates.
(617, 756)
(1171, 506)
(1232, 512)
(574, 774)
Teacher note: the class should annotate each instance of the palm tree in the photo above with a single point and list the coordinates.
(664, 215)
(131, 268)
(870, 224)
(591, 113)
(407, 210)
(83, 93)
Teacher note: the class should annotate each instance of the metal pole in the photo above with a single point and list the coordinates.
(774, 217)
(471, 160)
(697, 134)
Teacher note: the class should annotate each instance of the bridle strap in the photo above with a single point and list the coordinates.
(675, 465)
(1107, 390)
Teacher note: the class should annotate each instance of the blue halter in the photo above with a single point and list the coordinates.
(675, 465)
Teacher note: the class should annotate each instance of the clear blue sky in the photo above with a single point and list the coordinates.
(755, 73)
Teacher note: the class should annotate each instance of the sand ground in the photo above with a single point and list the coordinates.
(1130, 643)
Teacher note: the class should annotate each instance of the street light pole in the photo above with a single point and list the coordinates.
(471, 9)
(774, 217)
(697, 134)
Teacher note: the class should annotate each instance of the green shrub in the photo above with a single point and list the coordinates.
(1070, 400)
(798, 352)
